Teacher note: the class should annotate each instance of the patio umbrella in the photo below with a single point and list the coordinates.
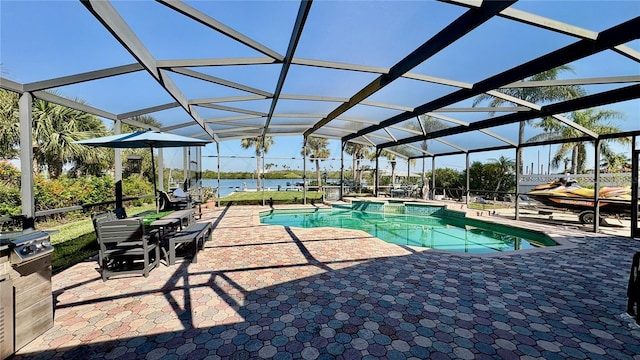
(143, 139)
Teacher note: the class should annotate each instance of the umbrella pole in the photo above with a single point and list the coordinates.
(153, 176)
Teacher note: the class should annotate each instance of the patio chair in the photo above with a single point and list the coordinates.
(166, 203)
(120, 213)
(95, 219)
(125, 248)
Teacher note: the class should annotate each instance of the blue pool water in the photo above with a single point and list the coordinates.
(464, 235)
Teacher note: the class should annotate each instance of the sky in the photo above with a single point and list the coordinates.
(41, 40)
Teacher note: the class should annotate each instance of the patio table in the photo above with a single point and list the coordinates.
(163, 224)
(165, 228)
(149, 218)
(398, 192)
(185, 216)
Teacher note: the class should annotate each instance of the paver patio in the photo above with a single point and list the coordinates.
(272, 292)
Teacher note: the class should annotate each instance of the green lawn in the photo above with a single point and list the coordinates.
(279, 197)
(76, 241)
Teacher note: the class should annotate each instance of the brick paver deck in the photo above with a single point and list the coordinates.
(272, 292)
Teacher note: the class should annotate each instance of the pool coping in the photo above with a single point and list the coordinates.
(566, 238)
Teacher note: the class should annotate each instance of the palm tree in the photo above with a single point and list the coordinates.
(536, 95)
(616, 163)
(268, 166)
(566, 162)
(9, 125)
(592, 119)
(502, 167)
(145, 119)
(392, 161)
(429, 124)
(260, 146)
(55, 129)
(316, 149)
(358, 152)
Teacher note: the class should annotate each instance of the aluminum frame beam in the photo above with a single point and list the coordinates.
(484, 131)
(455, 30)
(607, 39)
(212, 23)
(52, 98)
(148, 110)
(83, 77)
(426, 152)
(233, 109)
(139, 124)
(11, 85)
(109, 17)
(377, 70)
(594, 100)
(557, 26)
(533, 106)
(226, 119)
(480, 109)
(539, 143)
(296, 33)
(634, 55)
(450, 144)
(180, 63)
(216, 80)
(581, 81)
(226, 99)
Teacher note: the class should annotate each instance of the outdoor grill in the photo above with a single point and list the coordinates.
(26, 301)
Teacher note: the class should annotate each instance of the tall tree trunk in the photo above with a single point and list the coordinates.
(393, 173)
(36, 166)
(498, 187)
(375, 180)
(355, 162)
(574, 160)
(55, 169)
(318, 173)
(520, 141)
(258, 168)
(424, 179)
(359, 177)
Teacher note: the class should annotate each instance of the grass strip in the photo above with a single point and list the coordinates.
(279, 197)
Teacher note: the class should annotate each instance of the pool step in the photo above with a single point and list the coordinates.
(394, 208)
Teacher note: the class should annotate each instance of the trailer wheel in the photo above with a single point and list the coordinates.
(587, 217)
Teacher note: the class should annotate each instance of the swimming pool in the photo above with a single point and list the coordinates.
(436, 232)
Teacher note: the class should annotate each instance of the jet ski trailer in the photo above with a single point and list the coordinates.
(568, 195)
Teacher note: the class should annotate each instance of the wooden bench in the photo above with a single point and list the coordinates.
(195, 235)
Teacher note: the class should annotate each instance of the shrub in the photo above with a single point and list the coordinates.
(9, 174)
(208, 193)
(136, 185)
(65, 191)
(9, 189)
(10, 204)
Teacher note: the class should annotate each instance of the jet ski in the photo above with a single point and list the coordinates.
(569, 195)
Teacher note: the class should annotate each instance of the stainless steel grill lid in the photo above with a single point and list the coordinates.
(27, 245)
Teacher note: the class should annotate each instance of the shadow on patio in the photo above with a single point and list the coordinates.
(272, 291)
